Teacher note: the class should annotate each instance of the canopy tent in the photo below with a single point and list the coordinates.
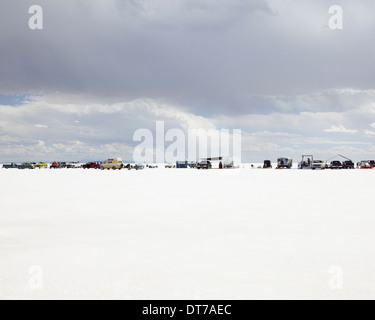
(339, 155)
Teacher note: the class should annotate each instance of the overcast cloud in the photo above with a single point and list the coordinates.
(102, 69)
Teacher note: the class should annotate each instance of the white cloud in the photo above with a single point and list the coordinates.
(41, 126)
(369, 132)
(340, 129)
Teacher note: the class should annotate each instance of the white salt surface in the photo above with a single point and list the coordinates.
(187, 234)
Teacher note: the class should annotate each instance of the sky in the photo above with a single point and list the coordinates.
(102, 69)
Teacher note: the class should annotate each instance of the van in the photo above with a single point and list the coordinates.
(114, 164)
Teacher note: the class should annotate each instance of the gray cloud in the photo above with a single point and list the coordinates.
(103, 68)
(201, 49)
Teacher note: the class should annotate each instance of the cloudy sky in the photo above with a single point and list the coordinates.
(101, 69)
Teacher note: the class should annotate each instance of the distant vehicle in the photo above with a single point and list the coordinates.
(74, 165)
(348, 165)
(92, 165)
(11, 166)
(55, 165)
(371, 163)
(335, 165)
(267, 164)
(152, 166)
(42, 165)
(284, 163)
(204, 165)
(306, 162)
(26, 165)
(364, 165)
(318, 165)
(114, 164)
(192, 165)
(63, 165)
(170, 166)
(139, 167)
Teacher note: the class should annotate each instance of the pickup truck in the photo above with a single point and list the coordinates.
(11, 166)
(74, 165)
(204, 165)
(26, 165)
(318, 165)
(336, 165)
(55, 165)
(92, 165)
(42, 165)
(348, 165)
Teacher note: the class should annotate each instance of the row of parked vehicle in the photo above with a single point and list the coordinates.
(110, 164)
(308, 162)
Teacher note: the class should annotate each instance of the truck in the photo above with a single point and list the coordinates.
(26, 165)
(204, 165)
(284, 163)
(92, 165)
(306, 162)
(73, 165)
(114, 164)
(42, 165)
(348, 164)
(318, 165)
(55, 165)
(11, 166)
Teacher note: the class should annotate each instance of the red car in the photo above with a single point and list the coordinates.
(55, 165)
(92, 165)
(364, 165)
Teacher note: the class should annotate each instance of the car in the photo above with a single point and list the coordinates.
(139, 167)
(74, 165)
(204, 165)
(13, 165)
(26, 165)
(170, 166)
(318, 165)
(348, 164)
(63, 165)
(42, 165)
(92, 165)
(364, 165)
(284, 163)
(335, 165)
(114, 164)
(55, 165)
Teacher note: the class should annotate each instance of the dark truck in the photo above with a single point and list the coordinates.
(348, 165)
(336, 165)
(11, 166)
(26, 166)
(204, 165)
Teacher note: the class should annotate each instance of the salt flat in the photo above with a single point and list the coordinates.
(187, 234)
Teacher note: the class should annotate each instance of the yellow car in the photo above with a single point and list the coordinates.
(42, 165)
(113, 164)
